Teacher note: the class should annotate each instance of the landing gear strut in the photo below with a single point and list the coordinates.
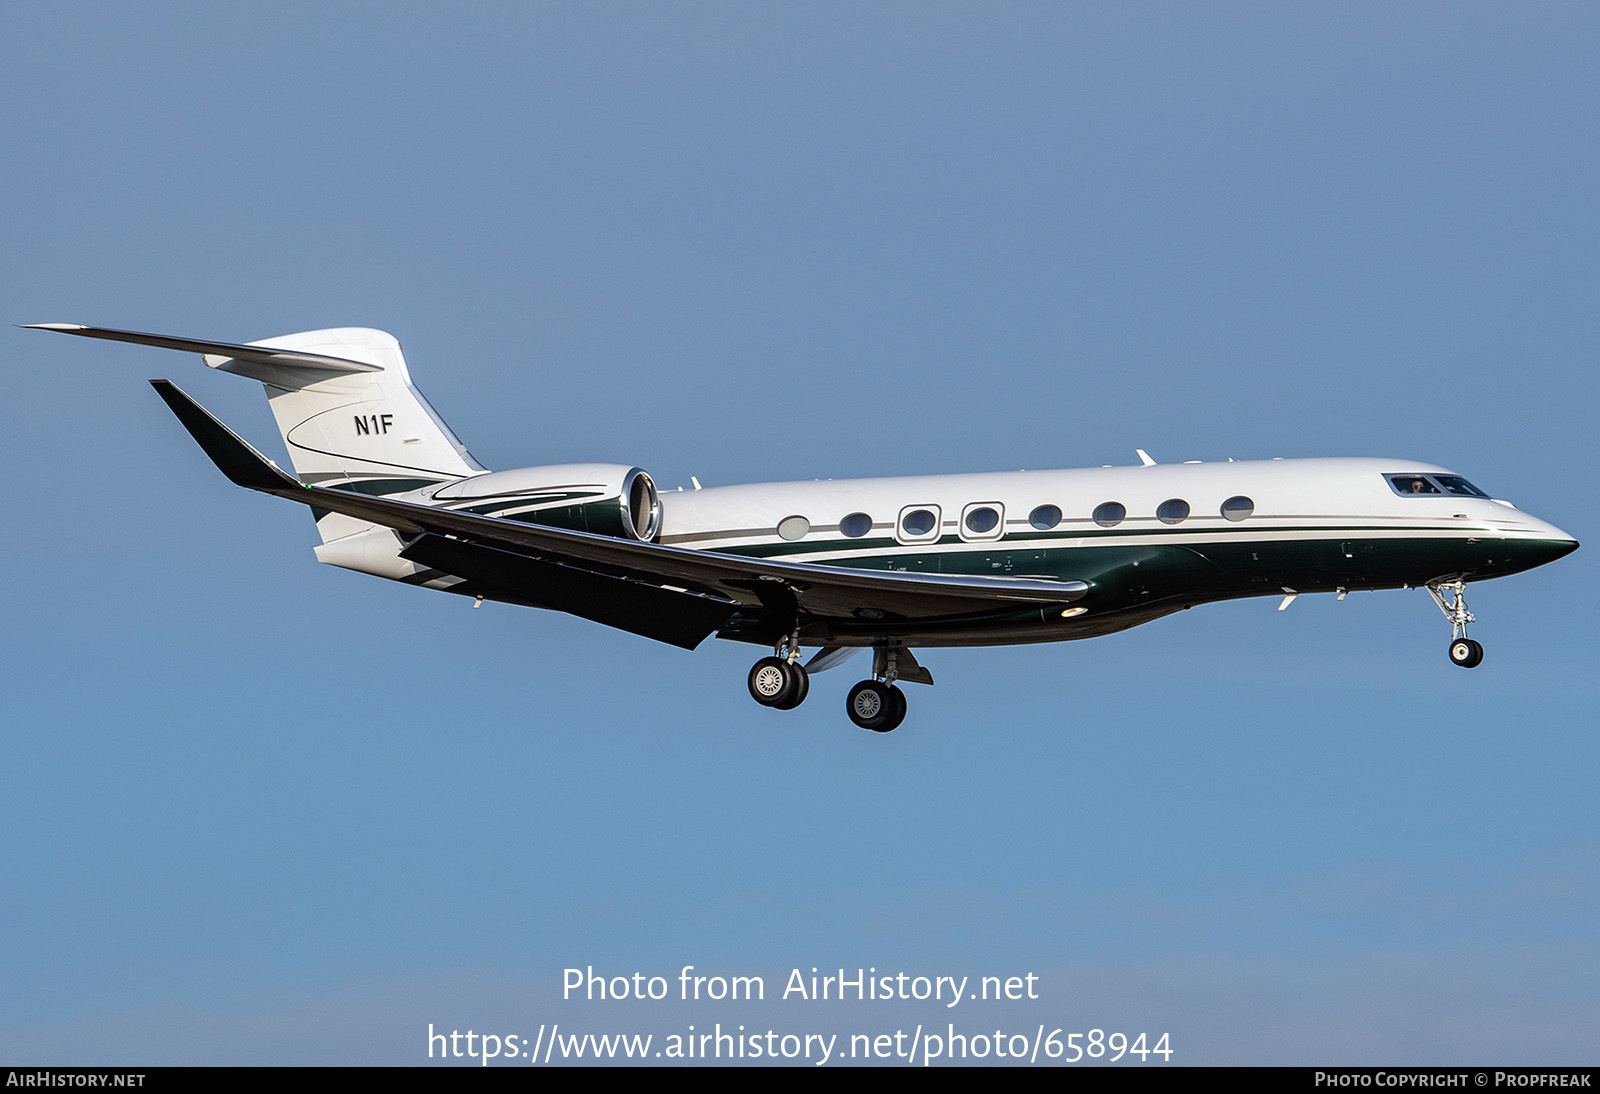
(1452, 600)
(877, 704)
(780, 681)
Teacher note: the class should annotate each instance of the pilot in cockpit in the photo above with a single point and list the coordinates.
(1414, 484)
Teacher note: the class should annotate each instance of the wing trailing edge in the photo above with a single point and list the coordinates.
(677, 618)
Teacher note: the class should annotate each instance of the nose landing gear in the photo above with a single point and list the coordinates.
(1452, 600)
(1466, 652)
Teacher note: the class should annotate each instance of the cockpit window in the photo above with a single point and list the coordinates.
(1458, 485)
(1412, 484)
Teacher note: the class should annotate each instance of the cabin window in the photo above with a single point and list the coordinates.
(1045, 517)
(856, 525)
(1173, 511)
(982, 520)
(1412, 485)
(1458, 485)
(1110, 514)
(794, 527)
(1238, 507)
(919, 522)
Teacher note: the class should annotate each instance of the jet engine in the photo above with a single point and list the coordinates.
(608, 499)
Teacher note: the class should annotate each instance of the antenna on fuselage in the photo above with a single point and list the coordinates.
(1144, 457)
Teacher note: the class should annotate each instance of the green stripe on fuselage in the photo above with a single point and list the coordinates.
(384, 487)
(1018, 541)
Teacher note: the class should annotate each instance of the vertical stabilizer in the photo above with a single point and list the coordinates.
(371, 431)
(345, 406)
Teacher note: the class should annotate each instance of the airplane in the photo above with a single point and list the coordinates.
(890, 564)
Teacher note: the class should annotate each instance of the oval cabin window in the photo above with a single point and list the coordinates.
(1238, 507)
(1045, 517)
(919, 522)
(795, 527)
(1173, 511)
(1110, 514)
(856, 525)
(982, 520)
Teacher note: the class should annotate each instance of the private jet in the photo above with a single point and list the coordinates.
(891, 565)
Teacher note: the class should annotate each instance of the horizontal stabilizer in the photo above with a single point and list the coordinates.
(343, 402)
(258, 355)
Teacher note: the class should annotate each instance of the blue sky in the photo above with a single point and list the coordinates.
(262, 810)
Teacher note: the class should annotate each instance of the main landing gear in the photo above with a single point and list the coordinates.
(877, 704)
(781, 682)
(1452, 600)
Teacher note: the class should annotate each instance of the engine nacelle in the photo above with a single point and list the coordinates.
(605, 498)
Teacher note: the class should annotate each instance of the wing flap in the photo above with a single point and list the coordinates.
(679, 618)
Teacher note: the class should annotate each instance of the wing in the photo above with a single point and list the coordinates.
(675, 594)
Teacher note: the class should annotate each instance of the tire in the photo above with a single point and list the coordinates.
(1466, 652)
(898, 712)
(871, 705)
(874, 706)
(771, 683)
(800, 681)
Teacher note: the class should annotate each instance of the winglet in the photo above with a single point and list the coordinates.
(233, 456)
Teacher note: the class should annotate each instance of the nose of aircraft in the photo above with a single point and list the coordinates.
(1539, 542)
(1554, 549)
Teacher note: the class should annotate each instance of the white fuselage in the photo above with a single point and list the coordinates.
(1303, 499)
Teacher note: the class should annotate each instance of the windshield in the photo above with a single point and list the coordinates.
(1416, 485)
(1458, 485)
(1413, 484)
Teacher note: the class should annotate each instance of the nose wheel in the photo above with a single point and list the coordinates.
(1452, 600)
(1466, 652)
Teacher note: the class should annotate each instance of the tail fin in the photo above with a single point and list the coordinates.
(372, 431)
(345, 405)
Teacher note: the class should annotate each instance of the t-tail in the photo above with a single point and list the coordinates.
(349, 415)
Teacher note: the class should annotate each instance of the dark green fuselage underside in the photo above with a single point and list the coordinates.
(1132, 583)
